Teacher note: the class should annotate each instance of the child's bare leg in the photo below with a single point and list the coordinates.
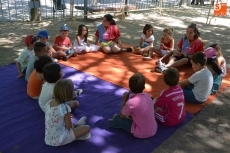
(106, 49)
(20, 73)
(157, 51)
(166, 56)
(115, 48)
(137, 50)
(81, 131)
(73, 104)
(59, 54)
(178, 63)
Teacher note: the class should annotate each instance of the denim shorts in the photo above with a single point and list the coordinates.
(189, 95)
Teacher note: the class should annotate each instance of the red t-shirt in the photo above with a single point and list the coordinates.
(168, 44)
(63, 42)
(116, 33)
(172, 102)
(200, 48)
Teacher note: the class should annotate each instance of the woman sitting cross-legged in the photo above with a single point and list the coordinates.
(108, 36)
(187, 46)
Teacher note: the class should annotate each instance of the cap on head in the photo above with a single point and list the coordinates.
(43, 33)
(29, 39)
(210, 53)
(64, 28)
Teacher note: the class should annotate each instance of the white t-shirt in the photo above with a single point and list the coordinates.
(56, 134)
(146, 41)
(202, 81)
(46, 94)
(24, 57)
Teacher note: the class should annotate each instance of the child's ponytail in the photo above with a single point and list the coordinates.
(215, 67)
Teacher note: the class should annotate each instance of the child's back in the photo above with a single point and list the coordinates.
(172, 100)
(59, 129)
(36, 78)
(46, 94)
(140, 107)
(56, 133)
(52, 73)
(170, 104)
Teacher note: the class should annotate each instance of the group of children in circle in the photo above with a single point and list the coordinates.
(139, 112)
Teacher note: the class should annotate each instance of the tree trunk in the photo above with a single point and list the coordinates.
(35, 13)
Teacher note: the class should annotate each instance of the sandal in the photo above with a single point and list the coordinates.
(146, 58)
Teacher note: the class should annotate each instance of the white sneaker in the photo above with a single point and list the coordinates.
(81, 121)
(55, 60)
(77, 92)
(146, 58)
(161, 67)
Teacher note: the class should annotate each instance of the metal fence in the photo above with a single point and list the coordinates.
(19, 10)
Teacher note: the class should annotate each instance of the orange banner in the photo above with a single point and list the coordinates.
(220, 9)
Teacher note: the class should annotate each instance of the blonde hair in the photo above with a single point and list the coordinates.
(63, 90)
(169, 31)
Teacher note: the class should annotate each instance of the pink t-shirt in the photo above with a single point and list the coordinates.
(140, 107)
(172, 101)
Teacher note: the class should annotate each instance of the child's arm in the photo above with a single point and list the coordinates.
(96, 40)
(220, 61)
(184, 83)
(125, 99)
(78, 41)
(56, 47)
(118, 40)
(88, 44)
(20, 74)
(68, 122)
(140, 43)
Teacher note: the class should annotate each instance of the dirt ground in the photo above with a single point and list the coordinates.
(209, 131)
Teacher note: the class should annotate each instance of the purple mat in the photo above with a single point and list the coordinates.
(22, 126)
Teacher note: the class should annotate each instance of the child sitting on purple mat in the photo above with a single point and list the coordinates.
(59, 129)
(169, 106)
(52, 73)
(137, 112)
(36, 79)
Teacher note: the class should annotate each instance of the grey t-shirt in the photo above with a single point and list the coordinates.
(30, 67)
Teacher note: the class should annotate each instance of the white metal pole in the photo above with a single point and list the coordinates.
(9, 9)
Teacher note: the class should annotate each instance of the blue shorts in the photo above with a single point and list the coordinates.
(189, 95)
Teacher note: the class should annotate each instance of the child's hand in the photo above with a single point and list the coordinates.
(176, 53)
(139, 49)
(162, 46)
(184, 54)
(20, 75)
